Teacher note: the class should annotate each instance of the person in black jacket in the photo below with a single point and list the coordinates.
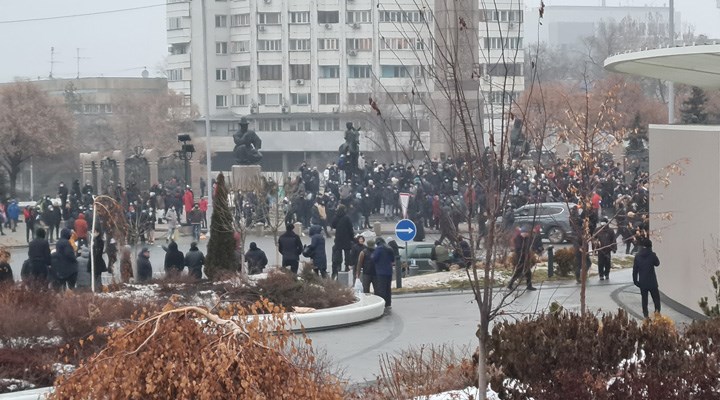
(144, 267)
(344, 235)
(256, 259)
(99, 261)
(6, 273)
(64, 262)
(290, 247)
(357, 248)
(606, 245)
(39, 257)
(644, 274)
(194, 260)
(174, 261)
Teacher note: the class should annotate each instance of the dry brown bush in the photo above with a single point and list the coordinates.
(31, 365)
(283, 287)
(190, 353)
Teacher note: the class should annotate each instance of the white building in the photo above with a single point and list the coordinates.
(299, 70)
(568, 26)
(502, 57)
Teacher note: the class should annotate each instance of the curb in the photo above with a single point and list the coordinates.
(369, 308)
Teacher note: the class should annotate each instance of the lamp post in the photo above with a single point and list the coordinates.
(185, 153)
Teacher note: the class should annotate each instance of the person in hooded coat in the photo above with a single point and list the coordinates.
(316, 251)
(39, 260)
(144, 267)
(174, 260)
(290, 247)
(256, 259)
(194, 260)
(64, 263)
(81, 230)
(644, 275)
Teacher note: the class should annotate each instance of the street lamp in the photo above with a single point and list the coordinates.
(185, 153)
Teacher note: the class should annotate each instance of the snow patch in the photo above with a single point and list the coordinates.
(464, 394)
(13, 385)
(30, 342)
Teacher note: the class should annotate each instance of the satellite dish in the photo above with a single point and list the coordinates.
(145, 73)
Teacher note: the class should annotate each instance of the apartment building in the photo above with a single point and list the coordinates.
(300, 70)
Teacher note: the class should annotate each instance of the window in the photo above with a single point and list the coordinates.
(221, 21)
(243, 74)
(179, 48)
(174, 23)
(402, 16)
(299, 44)
(186, 100)
(328, 17)
(402, 44)
(300, 125)
(329, 71)
(239, 100)
(501, 97)
(270, 72)
(359, 71)
(221, 101)
(496, 43)
(221, 74)
(505, 69)
(240, 46)
(221, 48)
(268, 18)
(328, 124)
(174, 75)
(240, 20)
(300, 17)
(269, 124)
(328, 44)
(501, 16)
(329, 98)
(396, 71)
(359, 44)
(358, 98)
(300, 99)
(359, 17)
(299, 71)
(269, 45)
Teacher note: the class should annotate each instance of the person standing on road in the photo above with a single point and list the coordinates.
(144, 267)
(606, 245)
(64, 261)
(174, 261)
(172, 221)
(126, 270)
(13, 214)
(188, 199)
(195, 219)
(256, 259)
(39, 257)
(344, 235)
(290, 247)
(357, 248)
(203, 206)
(316, 251)
(6, 273)
(523, 257)
(194, 260)
(29, 215)
(644, 275)
(365, 269)
(98, 249)
(81, 230)
(383, 259)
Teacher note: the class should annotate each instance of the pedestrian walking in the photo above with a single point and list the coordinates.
(644, 275)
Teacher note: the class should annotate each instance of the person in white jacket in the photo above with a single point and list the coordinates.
(172, 222)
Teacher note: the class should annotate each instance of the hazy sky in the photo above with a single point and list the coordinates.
(121, 44)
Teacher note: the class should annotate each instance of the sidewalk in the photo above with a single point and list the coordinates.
(14, 239)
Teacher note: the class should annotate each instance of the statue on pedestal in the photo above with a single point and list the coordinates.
(247, 145)
(351, 148)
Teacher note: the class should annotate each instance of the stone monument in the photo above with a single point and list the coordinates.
(246, 172)
(350, 150)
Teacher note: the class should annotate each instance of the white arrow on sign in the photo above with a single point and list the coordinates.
(406, 230)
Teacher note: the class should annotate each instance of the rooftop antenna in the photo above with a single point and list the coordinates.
(78, 58)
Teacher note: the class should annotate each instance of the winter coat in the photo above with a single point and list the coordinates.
(344, 232)
(98, 248)
(64, 261)
(366, 262)
(256, 260)
(13, 211)
(6, 273)
(144, 268)
(383, 259)
(606, 240)
(188, 200)
(81, 227)
(39, 257)
(644, 269)
(355, 251)
(194, 260)
(317, 247)
(290, 246)
(171, 218)
(174, 259)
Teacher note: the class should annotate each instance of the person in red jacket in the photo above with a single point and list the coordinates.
(203, 209)
(81, 230)
(188, 201)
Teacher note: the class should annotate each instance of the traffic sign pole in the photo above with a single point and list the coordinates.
(405, 230)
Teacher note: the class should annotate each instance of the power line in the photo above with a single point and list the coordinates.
(82, 15)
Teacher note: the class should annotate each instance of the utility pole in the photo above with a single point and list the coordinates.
(206, 75)
(671, 85)
(52, 61)
(78, 58)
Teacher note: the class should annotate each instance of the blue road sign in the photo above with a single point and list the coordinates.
(405, 230)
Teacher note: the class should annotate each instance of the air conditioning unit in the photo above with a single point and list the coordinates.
(511, 25)
(267, 1)
(300, 82)
(261, 28)
(356, 26)
(328, 26)
(241, 84)
(352, 53)
(336, 110)
(285, 109)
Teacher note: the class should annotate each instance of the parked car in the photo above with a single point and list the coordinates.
(418, 254)
(553, 218)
